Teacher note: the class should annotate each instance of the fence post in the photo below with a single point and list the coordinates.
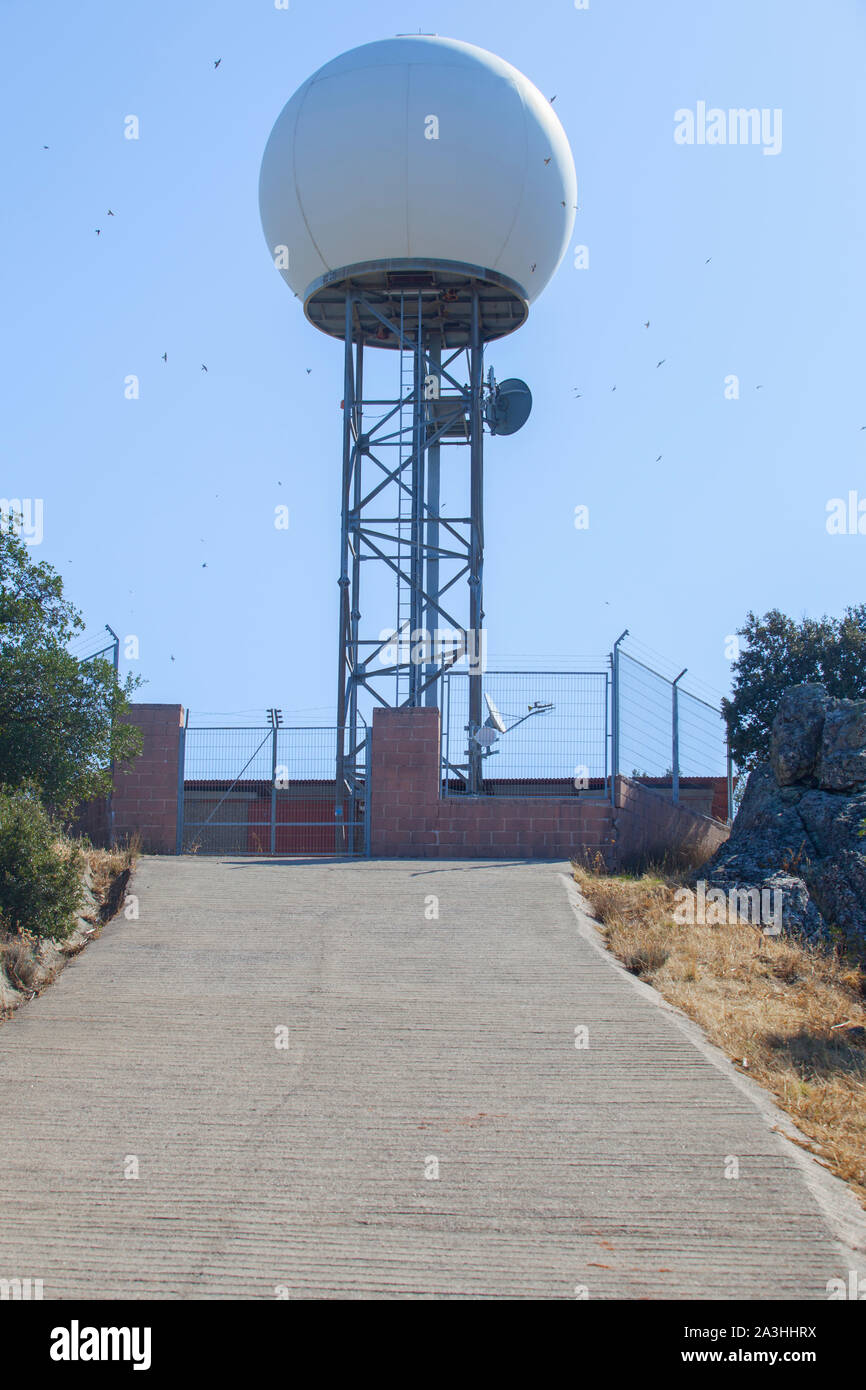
(614, 715)
(274, 789)
(675, 737)
(109, 801)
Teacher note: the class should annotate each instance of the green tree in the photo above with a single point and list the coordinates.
(780, 652)
(60, 719)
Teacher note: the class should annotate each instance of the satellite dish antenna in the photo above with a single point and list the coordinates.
(508, 406)
(494, 725)
(494, 719)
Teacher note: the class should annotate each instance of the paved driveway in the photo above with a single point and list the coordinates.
(414, 1043)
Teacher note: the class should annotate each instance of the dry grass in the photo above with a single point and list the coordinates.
(790, 1015)
(110, 871)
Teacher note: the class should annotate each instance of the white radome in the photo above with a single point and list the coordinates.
(351, 176)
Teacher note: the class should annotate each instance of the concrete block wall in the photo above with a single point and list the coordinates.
(648, 825)
(145, 792)
(409, 817)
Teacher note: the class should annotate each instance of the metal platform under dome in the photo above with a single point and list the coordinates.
(385, 289)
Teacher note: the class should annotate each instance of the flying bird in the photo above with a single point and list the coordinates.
(548, 159)
(109, 213)
(661, 364)
(204, 566)
(309, 369)
(217, 63)
(659, 459)
(707, 261)
(647, 324)
(613, 388)
(165, 357)
(172, 658)
(98, 231)
(759, 388)
(203, 367)
(552, 99)
(45, 147)
(534, 264)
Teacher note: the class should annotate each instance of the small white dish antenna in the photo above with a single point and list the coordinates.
(494, 719)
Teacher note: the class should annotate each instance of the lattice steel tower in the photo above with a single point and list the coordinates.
(416, 194)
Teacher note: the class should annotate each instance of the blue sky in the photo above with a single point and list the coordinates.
(159, 512)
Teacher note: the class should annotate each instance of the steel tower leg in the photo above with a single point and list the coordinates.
(416, 561)
(476, 547)
(346, 657)
(431, 621)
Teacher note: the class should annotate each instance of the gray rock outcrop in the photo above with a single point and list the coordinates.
(797, 831)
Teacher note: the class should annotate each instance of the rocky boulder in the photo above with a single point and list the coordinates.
(842, 763)
(797, 831)
(795, 741)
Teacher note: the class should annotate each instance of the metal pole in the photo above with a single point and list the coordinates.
(476, 549)
(274, 788)
(416, 531)
(606, 720)
(615, 714)
(431, 622)
(675, 737)
(730, 776)
(109, 800)
(343, 672)
(355, 589)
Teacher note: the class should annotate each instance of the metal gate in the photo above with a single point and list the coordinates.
(265, 790)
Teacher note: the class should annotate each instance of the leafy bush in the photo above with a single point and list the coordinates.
(40, 873)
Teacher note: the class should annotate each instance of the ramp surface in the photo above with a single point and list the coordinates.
(415, 1043)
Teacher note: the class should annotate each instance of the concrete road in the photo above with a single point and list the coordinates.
(415, 1044)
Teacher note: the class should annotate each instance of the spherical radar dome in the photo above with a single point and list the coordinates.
(418, 154)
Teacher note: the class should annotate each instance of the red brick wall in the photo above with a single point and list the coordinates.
(145, 792)
(411, 819)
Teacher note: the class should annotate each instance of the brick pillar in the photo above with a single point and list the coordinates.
(145, 792)
(404, 775)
